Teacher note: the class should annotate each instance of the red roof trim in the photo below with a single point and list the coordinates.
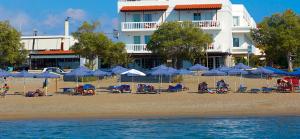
(56, 52)
(198, 6)
(144, 8)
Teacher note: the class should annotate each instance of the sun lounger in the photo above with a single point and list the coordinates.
(146, 89)
(125, 88)
(267, 90)
(242, 89)
(85, 90)
(37, 93)
(177, 88)
(254, 90)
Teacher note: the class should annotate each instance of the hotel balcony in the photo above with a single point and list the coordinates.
(137, 48)
(214, 48)
(239, 50)
(207, 24)
(142, 48)
(139, 26)
(152, 26)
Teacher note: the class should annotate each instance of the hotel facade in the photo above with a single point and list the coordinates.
(229, 25)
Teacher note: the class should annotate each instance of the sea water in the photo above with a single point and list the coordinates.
(173, 128)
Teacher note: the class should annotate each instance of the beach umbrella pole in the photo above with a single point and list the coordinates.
(24, 88)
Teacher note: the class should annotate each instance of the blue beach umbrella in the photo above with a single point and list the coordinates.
(118, 70)
(237, 72)
(277, 71)
(262, 71)
(198, 67)
(47, 75)
(224, 69)
(100, 73)
(160, 67)
(214, 72)
(24, 74)
(4, 73)
(184, 72)
(163, 71)
(241, 66)
(80, 72)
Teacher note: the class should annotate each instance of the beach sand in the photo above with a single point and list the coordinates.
(183, 104)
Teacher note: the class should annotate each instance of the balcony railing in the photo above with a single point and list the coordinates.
(151, 26)
(137, 48)
(139, 26)
(214, 48)
(207, 24)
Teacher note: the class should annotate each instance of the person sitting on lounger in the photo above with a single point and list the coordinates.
(203, 87)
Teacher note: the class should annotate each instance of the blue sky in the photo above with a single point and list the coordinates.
(47, 16)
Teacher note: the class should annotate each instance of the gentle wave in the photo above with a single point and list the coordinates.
(231, 128)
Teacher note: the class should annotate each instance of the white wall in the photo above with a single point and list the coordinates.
(47, 42)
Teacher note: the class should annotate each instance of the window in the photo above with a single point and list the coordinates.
(197, 16)
(136, 39)
(208, 16)
(236, 21)
(136, 17)
(147, 39)
(236, 42)
(148, 18)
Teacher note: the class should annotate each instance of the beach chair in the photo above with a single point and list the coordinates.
(284, 86)
(37, 93)
(125, 88)
(242, 89)
(85, 90)
(177, 88)
(203, 87)
(267, 90)
(146, 89)
(222, 87)
(254, 90)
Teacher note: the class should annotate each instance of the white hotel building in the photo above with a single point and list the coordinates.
(228, 23)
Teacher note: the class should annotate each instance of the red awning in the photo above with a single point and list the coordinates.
(198, 6)
(144, 8)
(56, 52)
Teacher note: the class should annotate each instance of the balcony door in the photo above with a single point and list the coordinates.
(148, 18)
(137, 42)
(197, 16)
(136, 17)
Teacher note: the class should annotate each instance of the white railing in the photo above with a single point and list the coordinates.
(214, 48)
(137, 48)
(139, 26)
(239, 50)
(206, 24)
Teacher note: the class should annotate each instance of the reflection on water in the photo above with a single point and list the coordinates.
(262, 127)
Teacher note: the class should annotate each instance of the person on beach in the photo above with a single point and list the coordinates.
(5, 89)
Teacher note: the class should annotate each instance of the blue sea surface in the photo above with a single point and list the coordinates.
(226, 127)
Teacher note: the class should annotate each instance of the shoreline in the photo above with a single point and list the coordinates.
(132, 106)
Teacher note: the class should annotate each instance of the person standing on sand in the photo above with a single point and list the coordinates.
(5, 89)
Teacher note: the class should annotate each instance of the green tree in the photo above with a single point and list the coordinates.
(179, 41)
(116, 55)
(11, 49)
(92, 44)
(278, 37)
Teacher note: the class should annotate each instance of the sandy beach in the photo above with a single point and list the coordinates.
(183, 104)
